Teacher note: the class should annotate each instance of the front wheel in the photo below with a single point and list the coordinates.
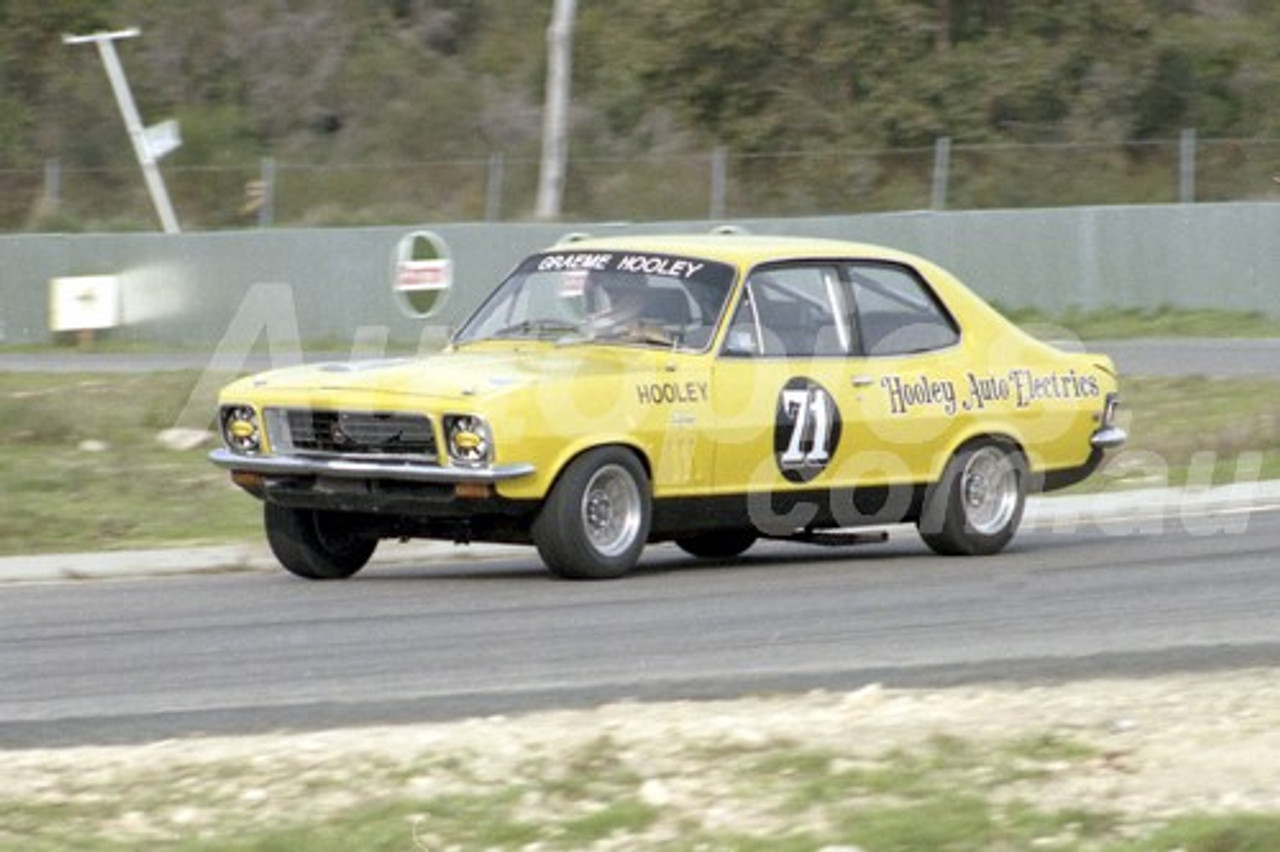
(596, 519)
(976, 507)
(316, 545)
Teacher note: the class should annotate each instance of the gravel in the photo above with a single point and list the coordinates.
(1154, 748)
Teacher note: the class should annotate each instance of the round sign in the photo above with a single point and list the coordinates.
(421, 274)
(806, 429)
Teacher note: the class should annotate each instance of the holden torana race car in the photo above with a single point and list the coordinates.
(707, 390)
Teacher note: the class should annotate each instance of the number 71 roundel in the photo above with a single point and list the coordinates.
(806, 429)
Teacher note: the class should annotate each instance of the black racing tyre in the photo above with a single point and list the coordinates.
(717, 544)
(316, 545)
(595, 521)
(975, 509)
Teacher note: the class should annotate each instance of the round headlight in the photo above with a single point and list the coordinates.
(468, 440)
(240, 429)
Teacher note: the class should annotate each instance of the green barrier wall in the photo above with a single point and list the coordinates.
(334, 285)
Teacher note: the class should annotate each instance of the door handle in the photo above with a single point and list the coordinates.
(862, 381)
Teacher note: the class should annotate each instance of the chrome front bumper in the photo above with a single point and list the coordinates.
(349, 468)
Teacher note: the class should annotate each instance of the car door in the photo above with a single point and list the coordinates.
(781, 382)
(835, 382)
(909, 393)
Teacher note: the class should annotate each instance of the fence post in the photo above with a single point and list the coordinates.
(719, 178)
(555, 118)
(493, 190)
(267, 212)
(1187, 166)
(941, 172)
(52, 196)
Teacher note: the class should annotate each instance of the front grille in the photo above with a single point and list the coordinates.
(355, 433)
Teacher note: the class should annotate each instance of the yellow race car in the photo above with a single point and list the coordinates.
(709, 390)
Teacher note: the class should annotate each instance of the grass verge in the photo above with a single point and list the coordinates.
(1164, 321)
(83, 467)
(1197, 431)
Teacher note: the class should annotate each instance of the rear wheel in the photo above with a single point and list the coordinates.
(976, 507)
(596, 519)
(717, 544)
(316, 545)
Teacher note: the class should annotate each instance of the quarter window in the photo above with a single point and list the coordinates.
(897, 313)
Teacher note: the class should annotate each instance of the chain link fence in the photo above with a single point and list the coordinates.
(718, 184)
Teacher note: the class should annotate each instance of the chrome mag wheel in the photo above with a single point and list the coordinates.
(989, 489)
(611, 510)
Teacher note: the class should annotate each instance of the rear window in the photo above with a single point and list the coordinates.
(897, 313)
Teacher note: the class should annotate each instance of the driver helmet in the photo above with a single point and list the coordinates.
(619, 296)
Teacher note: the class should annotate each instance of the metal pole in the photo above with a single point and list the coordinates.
(1187, 167)
(719, 177)
(267, 174)
(941, 171)
(493, 190)
(555, 142)
(52, 185)
(129, 111)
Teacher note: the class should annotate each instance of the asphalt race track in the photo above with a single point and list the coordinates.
(140, 660)
(143, 659)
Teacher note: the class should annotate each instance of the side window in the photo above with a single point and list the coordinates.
(897, 313)
(793, 311)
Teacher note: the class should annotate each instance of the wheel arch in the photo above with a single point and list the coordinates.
(1006, 437)
(579, 449)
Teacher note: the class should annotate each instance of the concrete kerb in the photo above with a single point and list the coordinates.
(1058, 513)
(222, 559)
(1171, 505)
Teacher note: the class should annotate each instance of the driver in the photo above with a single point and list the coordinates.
(613, 298)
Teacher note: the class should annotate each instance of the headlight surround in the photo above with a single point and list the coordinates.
(241, 429)
(468, 440)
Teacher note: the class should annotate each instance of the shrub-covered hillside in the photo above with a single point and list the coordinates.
(400, 104)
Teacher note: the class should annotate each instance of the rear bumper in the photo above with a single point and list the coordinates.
(1103, 439)
(1108, 438)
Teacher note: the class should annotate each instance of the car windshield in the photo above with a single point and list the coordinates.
(606, 296)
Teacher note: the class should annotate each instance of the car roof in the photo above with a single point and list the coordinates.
(740, 249)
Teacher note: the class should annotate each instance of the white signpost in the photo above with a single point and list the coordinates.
(149, 144)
